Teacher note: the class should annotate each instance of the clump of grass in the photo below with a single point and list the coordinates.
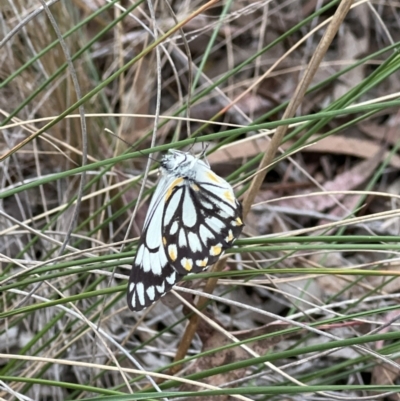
(305, 303)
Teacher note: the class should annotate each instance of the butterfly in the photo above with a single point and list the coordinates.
(192, 219)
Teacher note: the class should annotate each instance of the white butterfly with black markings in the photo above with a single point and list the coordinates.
(192, 219)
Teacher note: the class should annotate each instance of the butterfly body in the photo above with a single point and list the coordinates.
(192, 218)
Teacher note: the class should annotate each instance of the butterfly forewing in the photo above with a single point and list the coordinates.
(193, 218)
(151, 275)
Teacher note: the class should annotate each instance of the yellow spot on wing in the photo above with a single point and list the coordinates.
(187, 264)
(171, 188)
(216, 250)
(172, 252)
(213, 177)
(195, 187)
(202, 263)
(230, 237)
(239, 221)
(164, 241)
(228, 196)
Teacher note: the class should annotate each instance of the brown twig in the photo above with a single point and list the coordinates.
(270, 152)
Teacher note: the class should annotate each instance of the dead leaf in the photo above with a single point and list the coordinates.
(350, 179)
(384, 374)
(342, 145)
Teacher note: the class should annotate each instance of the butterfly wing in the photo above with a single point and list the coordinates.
(202, 218)
(152, 275)
(193, 217)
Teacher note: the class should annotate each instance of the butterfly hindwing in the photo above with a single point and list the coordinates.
(202, 218)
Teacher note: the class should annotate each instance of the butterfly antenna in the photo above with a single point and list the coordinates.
(203, 152)
(191, 147)
(130, 146)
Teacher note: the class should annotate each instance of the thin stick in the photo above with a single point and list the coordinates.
(270, 152)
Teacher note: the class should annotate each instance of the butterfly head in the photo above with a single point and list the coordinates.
(179, 163)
